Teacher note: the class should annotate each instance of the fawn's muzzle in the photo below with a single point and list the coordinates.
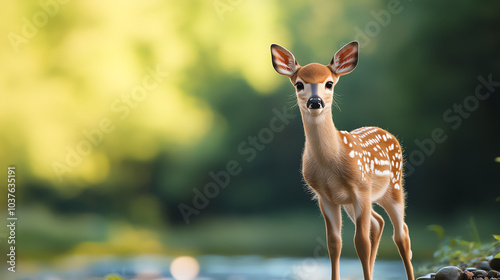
(315, 103)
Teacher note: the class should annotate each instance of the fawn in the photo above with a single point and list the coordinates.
(350, 169)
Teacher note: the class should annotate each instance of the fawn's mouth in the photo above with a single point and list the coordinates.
(316, 111)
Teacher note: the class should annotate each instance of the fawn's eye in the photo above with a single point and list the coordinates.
(299, 86)
(329, 85)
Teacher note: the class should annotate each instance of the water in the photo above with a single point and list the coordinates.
(216, 268)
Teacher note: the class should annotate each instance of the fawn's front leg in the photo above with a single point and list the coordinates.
(362, 242)
(333, 223)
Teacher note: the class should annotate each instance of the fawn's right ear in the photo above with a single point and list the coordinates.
(283, 61)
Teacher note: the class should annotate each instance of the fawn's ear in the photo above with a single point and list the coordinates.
(283, 61)
(345, 59)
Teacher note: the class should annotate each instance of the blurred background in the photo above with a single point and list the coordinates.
(144, 127)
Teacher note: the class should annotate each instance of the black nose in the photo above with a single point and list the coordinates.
(315, 103)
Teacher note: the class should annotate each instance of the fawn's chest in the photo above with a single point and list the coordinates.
(326, 177)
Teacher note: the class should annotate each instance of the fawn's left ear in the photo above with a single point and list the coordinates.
(283, 61)
(345, 59)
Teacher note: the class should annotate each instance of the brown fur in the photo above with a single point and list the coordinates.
(313, 73)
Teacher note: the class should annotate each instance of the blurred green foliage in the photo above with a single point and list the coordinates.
(456, 251)
(114, 112)
(460, 252)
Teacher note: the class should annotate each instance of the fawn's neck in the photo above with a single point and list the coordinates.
(322, 138)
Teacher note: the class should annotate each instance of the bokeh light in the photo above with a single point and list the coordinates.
(185, 268)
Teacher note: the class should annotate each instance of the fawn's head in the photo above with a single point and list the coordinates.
(314, 82)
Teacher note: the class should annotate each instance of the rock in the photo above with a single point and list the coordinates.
(429, 276)
(493, 274)
(449, 273)
(471, 269)
(480, 273)
(484, 265)
(495, 262)
(468, 275)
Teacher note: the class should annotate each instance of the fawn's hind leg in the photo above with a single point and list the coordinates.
(401, 237)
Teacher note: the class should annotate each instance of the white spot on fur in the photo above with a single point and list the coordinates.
(382, 173)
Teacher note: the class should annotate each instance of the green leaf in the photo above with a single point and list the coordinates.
(439, 230)
(497, 237)
(497, 159)
(497, 256)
